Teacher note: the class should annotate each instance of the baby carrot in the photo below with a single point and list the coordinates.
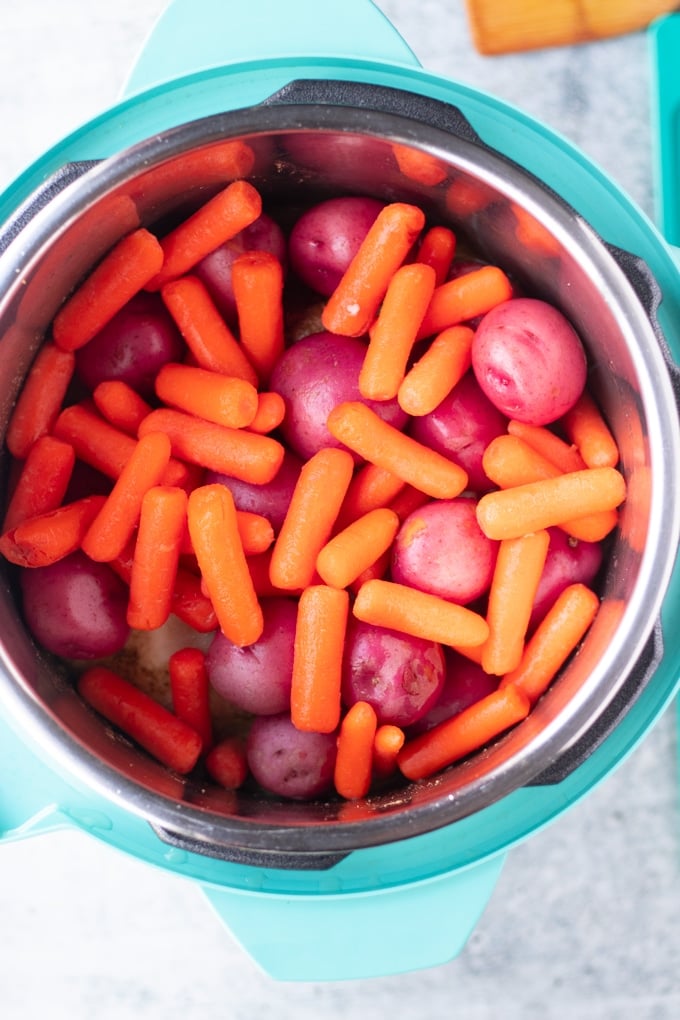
(371, 487)
(219, 219)
(42, 540)
(518, 569)
(214, 535)
(354, 762)
(549, 444)
(271, 410)
(257, 281)
(387, 744)
(437, 249)
(237, 452)
(312, 512)
(121, 274)
(227, 763)
(402, 608)
(317, 658)
(43, 480)
(351, 308)
(190, 692)
(359, 427)
(162, 519)
(190, 605)
(587, 429)
(510, 513)
(434, 375)
(140, 717)
(207, 335)
(392, 335)
(259, 568)
(553, 641)
(120, 404)
(223, 399)
(356, 547)
(40, 399)
(459, 736)
(465, 297)
(114, 525)
(255, 531)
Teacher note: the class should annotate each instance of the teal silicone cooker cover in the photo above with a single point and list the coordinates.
(359, 901)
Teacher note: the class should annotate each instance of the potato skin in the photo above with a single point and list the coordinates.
(292, 763)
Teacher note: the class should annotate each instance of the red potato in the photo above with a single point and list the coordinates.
(132, 347)
(440, 549)
(271, 500)
(214, 270)
(325, 239)
(529, 360)
(76, 608)
(461, 427)
(400, 676)
(465, 683)
(288, 762)
(314, 376)
(569, 561)
(257, 678)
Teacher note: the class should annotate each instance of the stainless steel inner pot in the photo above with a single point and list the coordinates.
(311, 141)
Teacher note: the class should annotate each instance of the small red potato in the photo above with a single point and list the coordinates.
(288, 762)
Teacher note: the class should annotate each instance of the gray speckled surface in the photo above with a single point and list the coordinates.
(583, 923)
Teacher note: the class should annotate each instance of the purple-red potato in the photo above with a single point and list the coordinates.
(461, 427)
(440, 549)
(529, 360)
(257, 679)
(325, 239)
(132, 347)
(76, 608)
(315, 375)
(214, 270)
(399, 675)
(288, 762)
(271, 500)
(465, 683)
(568, 561)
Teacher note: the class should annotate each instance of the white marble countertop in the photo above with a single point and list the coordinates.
(583, 923)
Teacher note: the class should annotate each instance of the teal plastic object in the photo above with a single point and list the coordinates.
(346, 922)
(664, 37)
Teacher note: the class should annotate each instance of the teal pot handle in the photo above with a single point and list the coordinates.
(194, 35)
(359, 935)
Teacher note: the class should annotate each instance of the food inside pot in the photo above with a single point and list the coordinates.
(311, 504)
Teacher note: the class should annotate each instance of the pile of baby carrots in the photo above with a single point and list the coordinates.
(183, 547)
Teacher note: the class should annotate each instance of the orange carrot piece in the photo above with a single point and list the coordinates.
(190, 605)
(255, 531)
(593, 527)
(351, 551)
(237, 452)
(207, 335)
(387, 744)
(585, 426)
(408, 500)
(257, 281)
(510, 513)
(190, 692)
(549, 444)
(376, 570)
(162, 519)
(225, 400)
(399, 607)
(312, 512)
(259, 565)
(144, 720)
(371, 487)
(359, 427)
(229, 212)
(43, 540)
(553, 641)
(464, 733)
(121, 274)
(351, 308)
(437, 249)
(271, 410)
(227, 763)
(392, 335)
(465, 297)
(42, 482)
(317, 658)
(419, 166)
(434, 375)
(121, 405)
(40, 399)
(354, 762)
(214, 535)
(115, 523)
(518, 569)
